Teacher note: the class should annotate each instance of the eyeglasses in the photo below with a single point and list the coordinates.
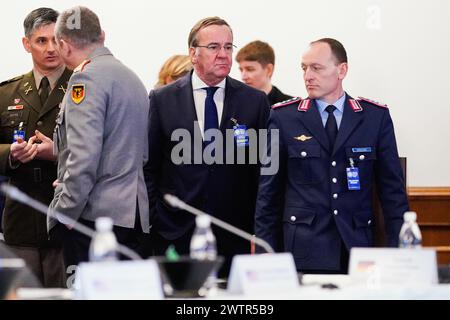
(215, 47)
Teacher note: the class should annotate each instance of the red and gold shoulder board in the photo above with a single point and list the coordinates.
(375, 103)
(286, 102)
(80, 68)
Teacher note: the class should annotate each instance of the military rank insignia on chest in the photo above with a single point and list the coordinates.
(78, 93)
(16, 107)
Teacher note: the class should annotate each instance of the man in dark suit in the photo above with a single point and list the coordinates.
(28, 107)
(201, 102)
(332, 150)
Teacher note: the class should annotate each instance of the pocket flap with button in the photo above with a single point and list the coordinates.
(296, 215)
(362, 219)
(14, 118)
(361, 153)
(300, 150)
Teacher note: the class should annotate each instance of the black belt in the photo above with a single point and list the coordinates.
(35, 174)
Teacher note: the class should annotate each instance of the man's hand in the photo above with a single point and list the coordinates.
(23, 151)
(45, 148)
(55, 183)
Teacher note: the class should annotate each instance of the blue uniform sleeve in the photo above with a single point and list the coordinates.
(272, 182)
(390, 181)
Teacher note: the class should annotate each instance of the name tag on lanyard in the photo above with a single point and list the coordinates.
(353, 182)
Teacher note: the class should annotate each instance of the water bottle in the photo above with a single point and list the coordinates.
(104, 244)
(410, 236)
(203, 242)
(203, 247)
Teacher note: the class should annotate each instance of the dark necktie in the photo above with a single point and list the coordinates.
(211, 118)
(331, 125)
(43, 90)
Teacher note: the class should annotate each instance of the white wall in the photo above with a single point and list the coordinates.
(399, 53)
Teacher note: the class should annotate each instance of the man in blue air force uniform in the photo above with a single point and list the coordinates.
(333, 150)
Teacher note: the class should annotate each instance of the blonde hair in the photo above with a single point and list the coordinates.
(174, 68)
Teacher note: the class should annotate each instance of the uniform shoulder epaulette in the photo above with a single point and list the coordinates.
(286, 102)
(11, 80)
(80, 68)
(375, 103)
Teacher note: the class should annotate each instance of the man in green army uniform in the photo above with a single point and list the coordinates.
(29, 105)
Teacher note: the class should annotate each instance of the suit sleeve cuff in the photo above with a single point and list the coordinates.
(13, 164)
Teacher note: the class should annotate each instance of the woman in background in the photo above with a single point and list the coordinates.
(174, 68)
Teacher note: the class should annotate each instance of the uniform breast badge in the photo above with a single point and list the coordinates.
(303, 138)
(78, 93)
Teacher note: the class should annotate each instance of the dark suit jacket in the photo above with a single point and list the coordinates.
(307, 204)
(22, 225)
(227, 191)
(275, 96)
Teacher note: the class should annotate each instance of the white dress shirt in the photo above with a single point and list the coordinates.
(200, 96)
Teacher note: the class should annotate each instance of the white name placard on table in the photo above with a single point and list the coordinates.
(376, 267)
(124, 280)
(256, 274)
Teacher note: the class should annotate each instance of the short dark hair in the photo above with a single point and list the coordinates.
(337, 49)
(206, 22)
(38, 18)
(80, 26)
(258, 51)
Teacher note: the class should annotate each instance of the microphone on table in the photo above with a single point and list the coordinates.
(15, 194)
(177, 203)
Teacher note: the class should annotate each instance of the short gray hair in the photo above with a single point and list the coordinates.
(206, 22)
(80, 26)
(38, 18)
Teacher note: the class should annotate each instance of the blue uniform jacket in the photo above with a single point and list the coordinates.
(306, 207)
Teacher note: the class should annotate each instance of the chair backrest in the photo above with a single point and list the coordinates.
(378, 226)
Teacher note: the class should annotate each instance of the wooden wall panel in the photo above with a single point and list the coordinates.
(432, 205)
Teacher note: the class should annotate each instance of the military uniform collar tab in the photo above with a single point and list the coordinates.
(304, 105)
(354, 104)
(81, 66)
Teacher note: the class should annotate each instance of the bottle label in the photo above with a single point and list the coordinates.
(410, 238)
(203, 245)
